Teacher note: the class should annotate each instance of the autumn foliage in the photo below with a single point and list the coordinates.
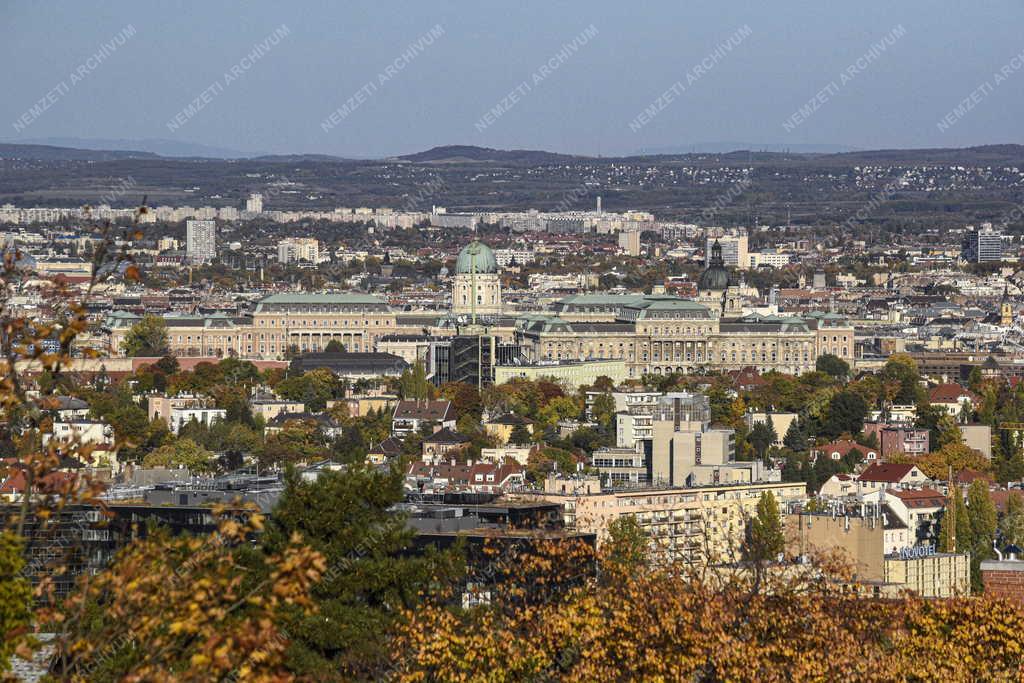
(181, 609)
(672, 624)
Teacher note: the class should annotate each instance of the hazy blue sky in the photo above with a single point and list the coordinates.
(795, 48)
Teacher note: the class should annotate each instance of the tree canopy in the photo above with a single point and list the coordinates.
(148, 337)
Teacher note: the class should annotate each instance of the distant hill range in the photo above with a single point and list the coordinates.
(469, 154)
(50, 153)
(157, 146)
(464, 153)
(726, 147)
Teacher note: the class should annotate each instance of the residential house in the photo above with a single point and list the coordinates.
(358, 406)
(444, 444)
(503, 426)
(268, 408)
(69, 408)
(519, 454)
(837, 450)
(412, 415)
(839, 486)
(324, 422)
(920, 509)
(898, 438)
(953, 398)
(481, 477)
(879, 475)
(978, 437)
(387, 450)
(206, 416)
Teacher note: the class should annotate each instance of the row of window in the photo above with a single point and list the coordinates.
(323, 323)
(677, 330)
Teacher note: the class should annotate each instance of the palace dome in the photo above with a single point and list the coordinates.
(716, 277)
(476, 257)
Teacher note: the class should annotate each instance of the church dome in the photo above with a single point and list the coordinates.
(716, 277)
(476, 257)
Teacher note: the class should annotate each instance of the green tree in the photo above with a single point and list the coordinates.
(981, 514)
(846, 413)
(167, 365)
(558, 408)
(371, 576)
(627, 545)
(314, 388)
(832, 365)
(762, 436)
(297, 441)
(975, 379)
(765, 539)
(15, 595)
(603, 411)
(181, 453)
(1011, 526)
(955, 527)
(148, 337)
(334, 346)
(464, 397)
(795, 438)
(949, 432)
(929, 417)
(901, 372)
(413, 383)
(520, 436)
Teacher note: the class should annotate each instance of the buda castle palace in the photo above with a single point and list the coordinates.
(723, 328)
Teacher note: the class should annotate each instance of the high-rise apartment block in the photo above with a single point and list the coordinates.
(629, 242)
(983, 244)
(295, 249)
(734, 250)
(201, 241)
(254, 204)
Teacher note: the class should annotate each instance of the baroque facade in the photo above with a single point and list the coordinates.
(650, 334)
(663, 334)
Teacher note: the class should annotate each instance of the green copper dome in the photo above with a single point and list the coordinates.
(476, 257)
(716, 277)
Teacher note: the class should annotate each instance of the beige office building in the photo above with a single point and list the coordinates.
(693, 525)
(881, 551)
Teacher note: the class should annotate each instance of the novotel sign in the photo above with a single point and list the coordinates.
(914, 552)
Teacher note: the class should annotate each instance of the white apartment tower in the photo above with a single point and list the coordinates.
(201, 241)
(734, 250)
(983, 244)
(293, 249)
(254, 204)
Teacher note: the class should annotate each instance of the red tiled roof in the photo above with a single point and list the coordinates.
(843, 447)
(886, 472)
(423, 410)
(950, 393)
(465, 475)
(446, 436)
(51, 483)
(1000, 498)
(918, 498)
(966, 476)
(747, 377)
